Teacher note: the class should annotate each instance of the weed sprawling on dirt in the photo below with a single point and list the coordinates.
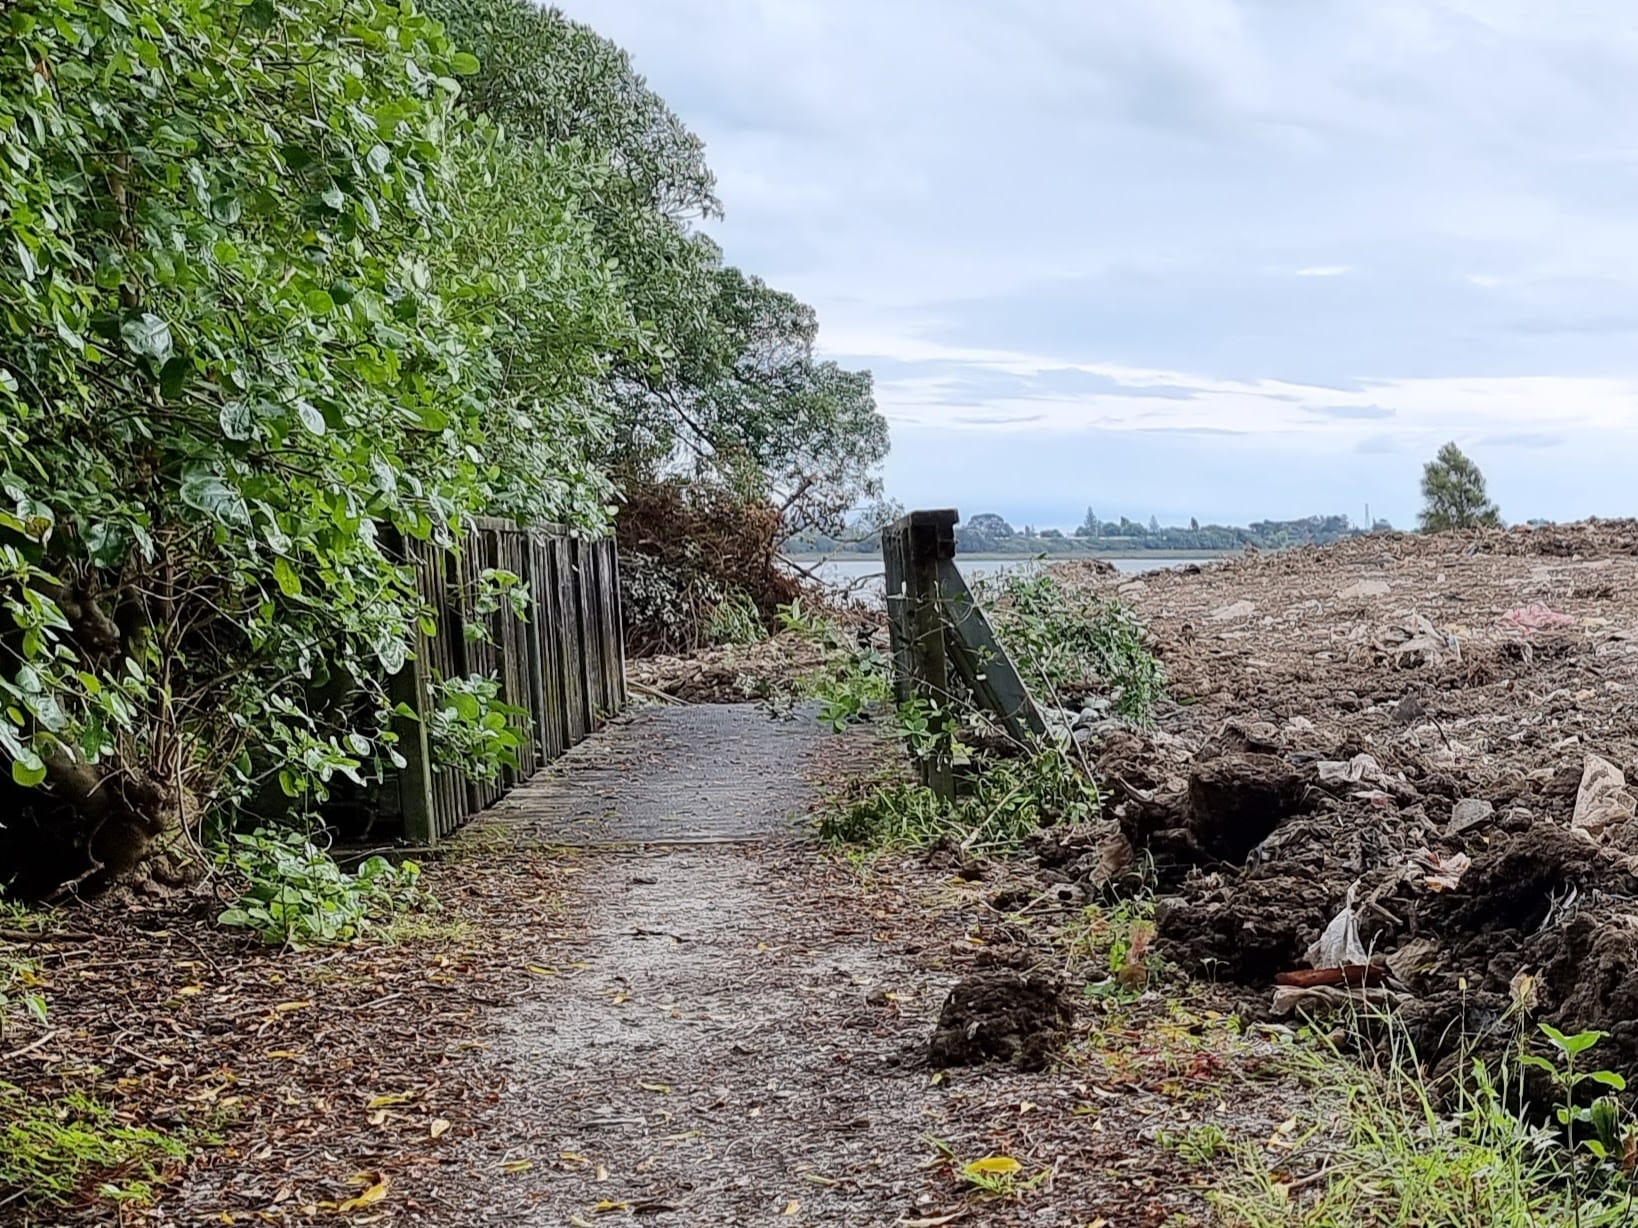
(295, 894)
(52, 1152)
(1005, 804)
(20, 977)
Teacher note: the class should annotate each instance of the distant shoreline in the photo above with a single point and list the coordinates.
(1022, 556)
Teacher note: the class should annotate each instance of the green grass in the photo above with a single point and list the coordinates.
(1391, 1153)
(55, 1152)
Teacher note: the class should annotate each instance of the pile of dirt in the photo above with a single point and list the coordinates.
(1438, 730)
(1005, 1016)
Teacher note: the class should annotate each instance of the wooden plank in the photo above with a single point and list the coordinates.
(617, 627)
(894, 543)
(577, 722)
(980, 660)
(417, 800)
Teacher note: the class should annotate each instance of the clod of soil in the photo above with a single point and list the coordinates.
(1000, 1015)
(1235, 801)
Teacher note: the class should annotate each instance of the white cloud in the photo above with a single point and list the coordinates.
(984, 200)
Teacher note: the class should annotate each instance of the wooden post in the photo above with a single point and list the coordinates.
(933, 625)
(926, 539)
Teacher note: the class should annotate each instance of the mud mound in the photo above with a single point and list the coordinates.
(1413, 723)
(1002, 1015)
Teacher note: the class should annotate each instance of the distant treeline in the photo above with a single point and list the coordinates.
(989, 533)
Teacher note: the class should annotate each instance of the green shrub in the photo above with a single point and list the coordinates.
(471, 730)
(297, 896)
(1059, 636)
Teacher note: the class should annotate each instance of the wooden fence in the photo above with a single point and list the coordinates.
(562, 663)
(942, 645)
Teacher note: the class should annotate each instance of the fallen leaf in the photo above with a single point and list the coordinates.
(439, 1125)
(609, 1205)
(658, 1088)
(293, 1006)
(372, 1194)
(792, 1207)
(381, 1102)
(992, 1164)
(517, 1166)
(541, 970)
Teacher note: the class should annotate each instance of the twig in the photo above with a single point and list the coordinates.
(654, 692)
(28, 1048)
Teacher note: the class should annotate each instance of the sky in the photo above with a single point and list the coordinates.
(1228, 259)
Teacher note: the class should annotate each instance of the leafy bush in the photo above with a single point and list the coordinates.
(264, 296)
(736, 620)
(297, 896)
(50, 1153)
(471, 730)
(1061, 636)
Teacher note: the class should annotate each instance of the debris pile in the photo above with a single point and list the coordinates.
(1394, 769)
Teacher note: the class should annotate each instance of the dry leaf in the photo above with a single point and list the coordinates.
(293, 1006)
(792, 1207)
(517, 1166)
(661, 1089)
(439, 1125)
(381, 1102)
(372, 1194)
(992, 1164)
(609, 1205)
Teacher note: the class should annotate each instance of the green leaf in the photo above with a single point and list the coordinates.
(319, 302)
(236, 421)
(211, 494)
(289, 582)
(148, 335)
(1572, 1045)
(28, 771)
(464, 62)
(173, 377)
(310, 417)
(378, 159)
(1609, 1079)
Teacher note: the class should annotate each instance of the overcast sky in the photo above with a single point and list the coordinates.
(1230, 259)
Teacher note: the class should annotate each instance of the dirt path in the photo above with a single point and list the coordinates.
(728, 1046)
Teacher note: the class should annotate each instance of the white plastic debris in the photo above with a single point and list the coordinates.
(1339, 946)
(1603, 799)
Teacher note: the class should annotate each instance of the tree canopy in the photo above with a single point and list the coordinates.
(1453, 493)
(284, 284)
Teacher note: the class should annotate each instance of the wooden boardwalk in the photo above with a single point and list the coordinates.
(695, 774)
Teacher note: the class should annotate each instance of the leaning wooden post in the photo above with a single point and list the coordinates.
(930, 540)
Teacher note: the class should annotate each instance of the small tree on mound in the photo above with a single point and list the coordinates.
(1454, 496)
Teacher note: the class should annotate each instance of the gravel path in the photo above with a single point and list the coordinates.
(724, 1044)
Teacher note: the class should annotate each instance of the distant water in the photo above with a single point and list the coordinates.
(864, 575)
